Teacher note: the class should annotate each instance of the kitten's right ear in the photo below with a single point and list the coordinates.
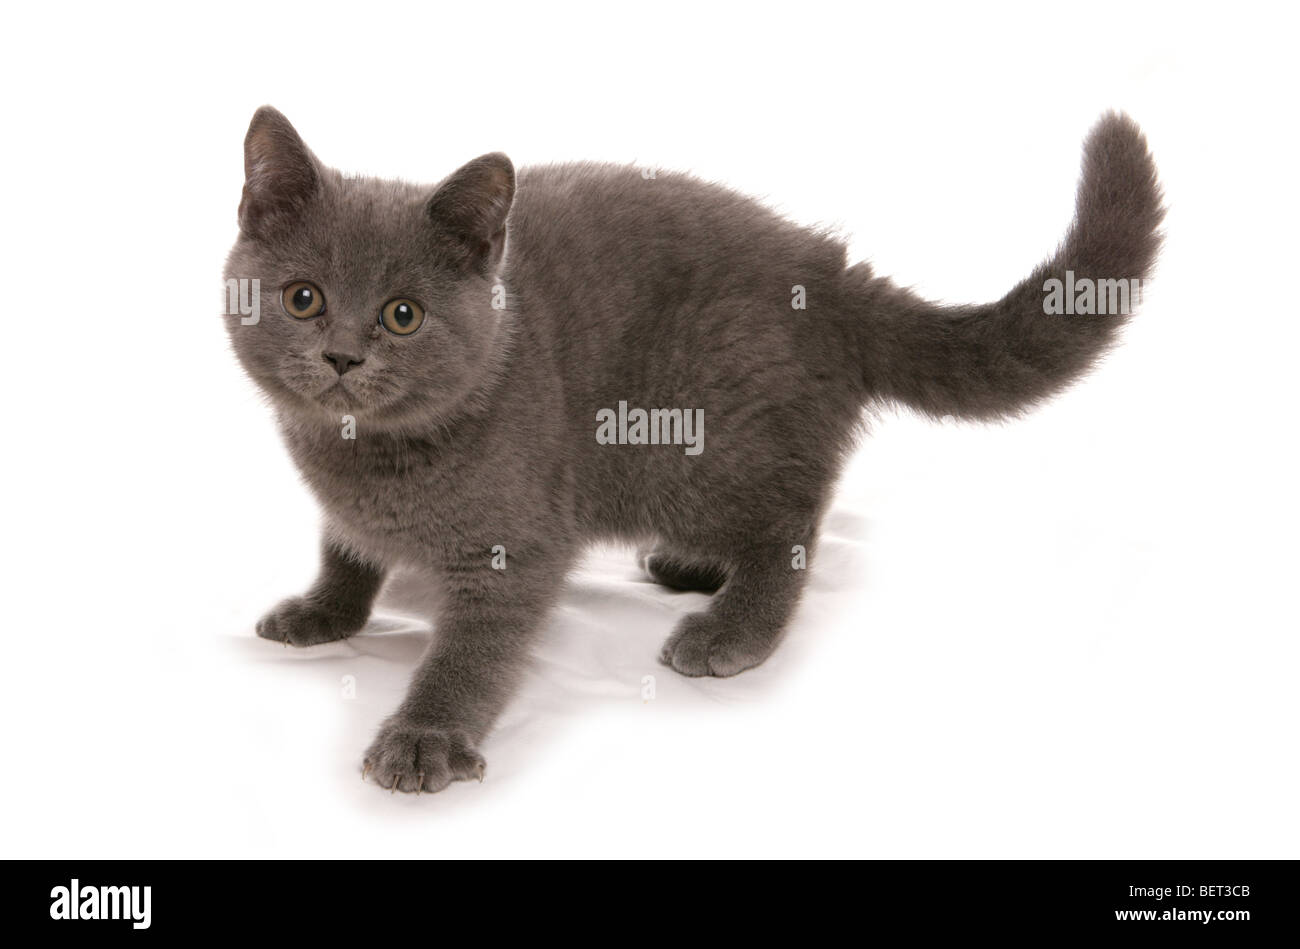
(281, 175)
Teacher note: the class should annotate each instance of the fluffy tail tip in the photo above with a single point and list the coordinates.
(1120, 204)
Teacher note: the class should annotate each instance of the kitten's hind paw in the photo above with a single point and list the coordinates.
(408, 757)
(703, 645)
(298, 621)
(680, 573)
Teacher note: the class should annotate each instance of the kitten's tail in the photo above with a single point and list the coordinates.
(1000, 358)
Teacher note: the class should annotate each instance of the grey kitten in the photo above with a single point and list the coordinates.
(527, 365)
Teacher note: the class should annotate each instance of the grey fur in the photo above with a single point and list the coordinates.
(478, 430)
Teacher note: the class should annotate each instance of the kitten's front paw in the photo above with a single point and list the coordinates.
(703, 645)
(410, 757)
(299, 622)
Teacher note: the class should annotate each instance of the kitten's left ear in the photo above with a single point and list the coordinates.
(281, 175)
(472, 206)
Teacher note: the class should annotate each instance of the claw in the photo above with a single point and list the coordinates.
(365, 770)
(419, 784)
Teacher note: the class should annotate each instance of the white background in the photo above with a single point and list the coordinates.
(1073, 636)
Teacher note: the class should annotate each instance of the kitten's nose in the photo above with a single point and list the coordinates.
(343, 361)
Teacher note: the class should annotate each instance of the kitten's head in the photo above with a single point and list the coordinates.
(376, 297)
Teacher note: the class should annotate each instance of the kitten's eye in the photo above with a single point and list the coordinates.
(402, 317)
(303, 300)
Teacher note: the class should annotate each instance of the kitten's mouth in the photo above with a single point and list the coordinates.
(336, 393)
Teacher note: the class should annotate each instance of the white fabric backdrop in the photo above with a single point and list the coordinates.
(1070, 636)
